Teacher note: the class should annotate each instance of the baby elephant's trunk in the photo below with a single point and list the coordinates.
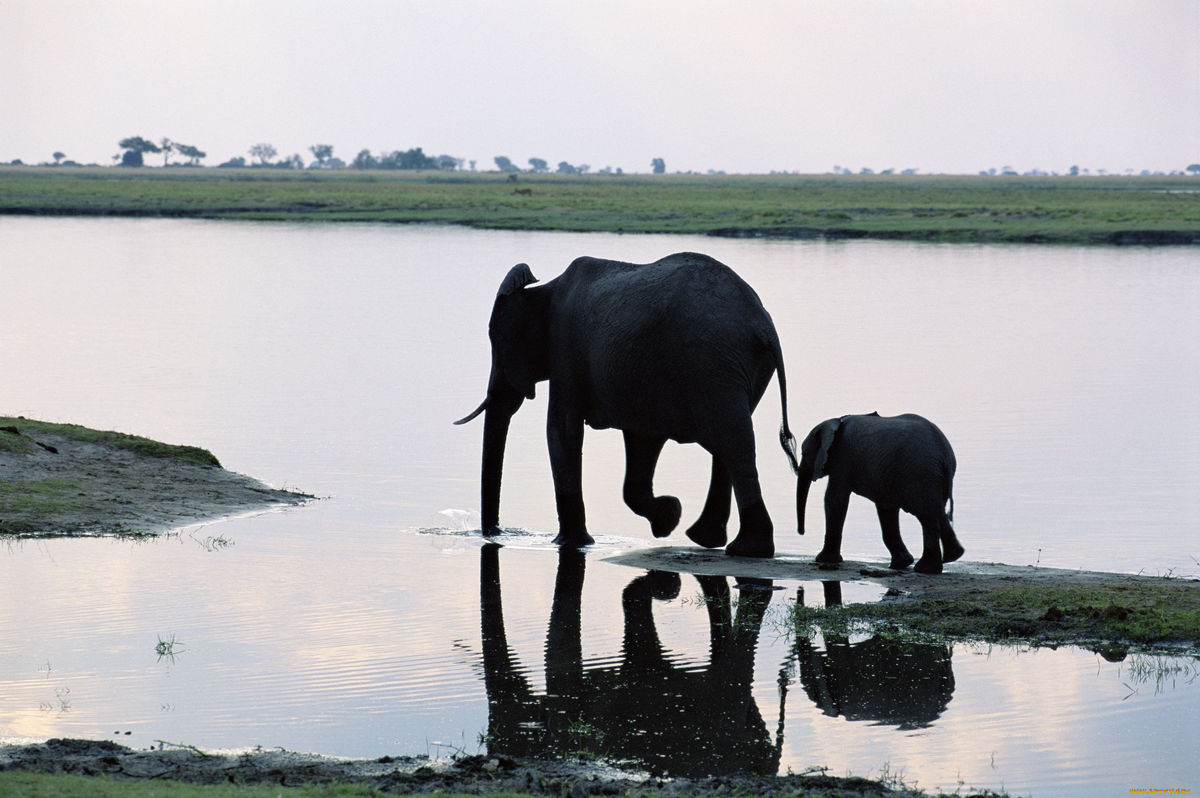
(803, 482)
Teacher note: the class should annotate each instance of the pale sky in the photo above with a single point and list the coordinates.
(939, 85)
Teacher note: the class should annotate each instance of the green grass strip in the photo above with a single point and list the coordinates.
(941, 208)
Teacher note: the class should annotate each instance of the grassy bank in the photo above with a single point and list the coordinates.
(986, 602)
(61, 480)
(1109, 618)
(1074, 210)
(21, 435)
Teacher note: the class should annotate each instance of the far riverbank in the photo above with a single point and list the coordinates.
(1162, 210)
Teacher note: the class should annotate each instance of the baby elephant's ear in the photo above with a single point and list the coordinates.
(517, 278)
(828, 432)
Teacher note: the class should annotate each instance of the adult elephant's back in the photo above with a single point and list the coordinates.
(665, 343)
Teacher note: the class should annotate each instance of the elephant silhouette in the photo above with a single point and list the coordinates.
(907, 685)
(674, 720)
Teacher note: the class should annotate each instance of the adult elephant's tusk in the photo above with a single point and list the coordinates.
(482, 406)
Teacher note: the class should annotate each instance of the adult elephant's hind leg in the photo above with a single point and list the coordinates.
(951, 548)
(889, 520)
(756, 535)
(641, 456)
(931, 557)
(710, 528)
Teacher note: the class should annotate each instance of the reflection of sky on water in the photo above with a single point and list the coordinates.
(334, 358)
(350, 651)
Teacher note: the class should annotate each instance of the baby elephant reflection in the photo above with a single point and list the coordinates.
(683, 721)
(900, 684)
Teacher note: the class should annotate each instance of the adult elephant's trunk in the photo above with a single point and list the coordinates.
(502, 401)
(803, 481)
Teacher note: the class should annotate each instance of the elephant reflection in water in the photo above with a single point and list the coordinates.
(900, 684)
(681, 721)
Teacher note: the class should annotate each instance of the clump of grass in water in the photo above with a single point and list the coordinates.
(1164, 672)
(587, 741)
(166, 648)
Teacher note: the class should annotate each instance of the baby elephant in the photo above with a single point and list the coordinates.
(901, 463)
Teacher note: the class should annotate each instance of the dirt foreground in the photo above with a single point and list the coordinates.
(64, 480)
(406, 775)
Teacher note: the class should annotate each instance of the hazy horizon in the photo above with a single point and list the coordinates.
(935, 86)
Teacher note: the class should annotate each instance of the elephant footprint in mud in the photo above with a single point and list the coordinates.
(679, 349)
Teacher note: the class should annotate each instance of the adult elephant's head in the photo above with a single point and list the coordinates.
(520, 359)
(814, 462)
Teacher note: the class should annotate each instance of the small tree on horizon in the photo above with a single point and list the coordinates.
(659, 166)
(365, 160)
(134, 146)
(263, 152)
(322, 152)
(167, 147)
(1194, 168)
(193, 154)
(504, 164)
(538, 165)
(58, 156)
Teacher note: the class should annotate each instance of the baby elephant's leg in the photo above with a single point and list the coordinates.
(837, 501)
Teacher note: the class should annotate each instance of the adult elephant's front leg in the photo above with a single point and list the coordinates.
(564, 434)
(641, 456)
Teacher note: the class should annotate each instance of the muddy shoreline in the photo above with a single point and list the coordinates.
(480, 775)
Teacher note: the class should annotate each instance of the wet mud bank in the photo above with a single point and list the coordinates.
(64, 480)
(1109, 613)
(406, 775)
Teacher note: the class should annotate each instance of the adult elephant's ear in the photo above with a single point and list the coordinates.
(518, 332)
(517, 278)
(828, 433)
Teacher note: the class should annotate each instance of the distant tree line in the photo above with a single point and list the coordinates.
(541, 166)
(406, 159)
(134, 149)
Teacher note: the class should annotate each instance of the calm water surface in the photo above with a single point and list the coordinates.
(333, 359)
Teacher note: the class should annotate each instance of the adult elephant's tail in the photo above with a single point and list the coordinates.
(948, 490)
(786, 439)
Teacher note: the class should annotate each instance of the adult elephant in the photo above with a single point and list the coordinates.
(678, 349)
